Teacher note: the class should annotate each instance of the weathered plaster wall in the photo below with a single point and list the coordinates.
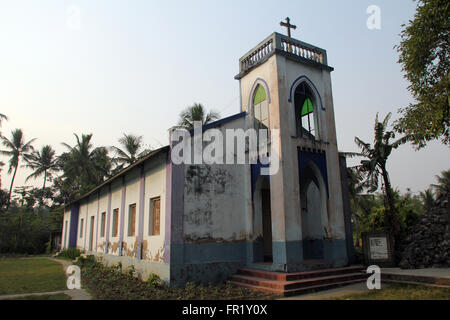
(155, 186)
(131, 197)
(82, 216)
(216, 223)
(66, 231)
(137, 186)
(116, 196)
(215, 198)
(102, 208)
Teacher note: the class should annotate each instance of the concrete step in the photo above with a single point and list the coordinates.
(297, 291)
(296, 284)
(280, 276)
(285, 284)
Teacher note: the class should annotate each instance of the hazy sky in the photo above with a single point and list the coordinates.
(132, 66)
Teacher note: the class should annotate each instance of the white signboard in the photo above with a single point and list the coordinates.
(378, 248)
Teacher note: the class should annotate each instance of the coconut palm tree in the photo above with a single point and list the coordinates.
(16, 148)
(84, 167)
(443, 186)
(196, 113)
(43, 162)
(428, 199)
(2, 117)
(131, 151)
(375, 166)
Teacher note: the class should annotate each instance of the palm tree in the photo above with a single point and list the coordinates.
(83, 167)
(196, 113)
(2, 117)
(443, 186)
(43, 162)
(375, 166)
(428, 199)
(131, 151)
(16, 149)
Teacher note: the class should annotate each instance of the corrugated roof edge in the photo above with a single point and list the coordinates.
(120, 173)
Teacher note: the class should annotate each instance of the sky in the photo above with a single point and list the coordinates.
(109, 67)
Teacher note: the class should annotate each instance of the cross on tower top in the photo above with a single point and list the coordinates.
(288, 26)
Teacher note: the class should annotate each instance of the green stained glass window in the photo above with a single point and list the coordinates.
(307, 107)
(260, 95)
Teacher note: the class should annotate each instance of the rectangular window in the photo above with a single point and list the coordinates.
(91, 235)
(115, 222)
(132, 220)
(155, 206)
(102, 225)
(81, 228)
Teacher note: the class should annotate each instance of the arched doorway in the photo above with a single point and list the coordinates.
(313, 197)
(262, 220)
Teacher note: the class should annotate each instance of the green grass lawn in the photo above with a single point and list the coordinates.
(30, 275)
(397, 291)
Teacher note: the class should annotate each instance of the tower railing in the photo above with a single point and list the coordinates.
(279, 42)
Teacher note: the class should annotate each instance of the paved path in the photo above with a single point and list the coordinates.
(362, 287)
(76, 294)
(356, 288)
(430, 272)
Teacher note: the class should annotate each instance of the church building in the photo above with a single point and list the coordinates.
(202, 222)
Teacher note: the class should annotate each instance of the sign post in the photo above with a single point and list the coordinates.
(378, 249)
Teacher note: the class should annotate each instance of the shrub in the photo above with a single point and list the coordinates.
(113, 283)
(70, 253)
(154, 280)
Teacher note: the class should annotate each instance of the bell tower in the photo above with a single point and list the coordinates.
(285, 85)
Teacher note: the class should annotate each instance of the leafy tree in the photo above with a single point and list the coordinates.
(16, 148)
(43, 162)
(196, 113)
(131, 151)
(24, 198)
(410, 207)
(375, 166)
(63, 191)
(357, 200)
(24, 230)
(3, 200)
(424, 56)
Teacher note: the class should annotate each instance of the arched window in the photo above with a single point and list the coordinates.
(261, 108)
(304, 112)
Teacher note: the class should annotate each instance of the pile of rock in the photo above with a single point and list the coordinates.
(428, 242)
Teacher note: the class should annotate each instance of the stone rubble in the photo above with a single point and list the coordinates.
(428, 242)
